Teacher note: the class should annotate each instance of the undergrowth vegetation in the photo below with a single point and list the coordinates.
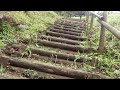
(31, 22)
(107, 63)
(2, 69)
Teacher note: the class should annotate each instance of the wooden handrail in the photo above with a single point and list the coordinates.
(104, 25)
(113, 30)
(97, 15)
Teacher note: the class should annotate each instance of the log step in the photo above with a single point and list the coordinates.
(71, 30)
(71, 24)
(65, 26)
(56, 34)
(56, 27)
(65, 32)
(64, 46)
(38, 74)
(43, 67)
(69, 57)
(67, 41)
(44, 58)
(70, 19)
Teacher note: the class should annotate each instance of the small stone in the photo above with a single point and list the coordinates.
(22, 26)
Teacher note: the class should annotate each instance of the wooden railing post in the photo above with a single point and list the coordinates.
(80, 17)
(87, 19)
(91, 24)
(113, 30)
(102, 35)
(87, 16)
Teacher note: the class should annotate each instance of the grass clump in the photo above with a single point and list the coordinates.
(32, 21)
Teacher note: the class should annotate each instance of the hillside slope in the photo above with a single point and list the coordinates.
(27, 24)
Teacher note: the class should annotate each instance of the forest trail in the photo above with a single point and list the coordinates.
(57, 45)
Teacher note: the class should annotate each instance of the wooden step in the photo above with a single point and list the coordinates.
(71, 30)
(63, 46)
(73, 37)
(67, 41)
(38, 74)
(65, 32)
(72, 73)
(63, 56)
(56, 27)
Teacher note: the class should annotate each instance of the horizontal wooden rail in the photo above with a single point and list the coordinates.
(113, 30)
(100, 17)
(104, 25)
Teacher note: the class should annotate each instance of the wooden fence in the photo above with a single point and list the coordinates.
(104, 25)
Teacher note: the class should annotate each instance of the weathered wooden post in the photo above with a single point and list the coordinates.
(113, 30)
(80, 17)
(102, 35)
(91, 24)
(87, 19)
(87, 16)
